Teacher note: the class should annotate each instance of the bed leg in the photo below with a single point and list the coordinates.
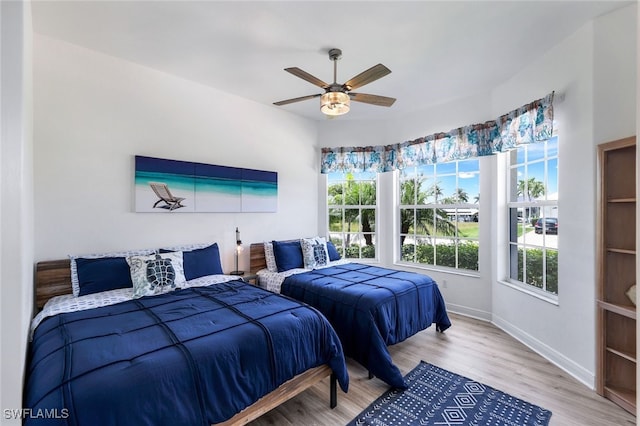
(333, 394)
(370, 375)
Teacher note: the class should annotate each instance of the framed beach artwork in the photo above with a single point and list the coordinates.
(172, 186)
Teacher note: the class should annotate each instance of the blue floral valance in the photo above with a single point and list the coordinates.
(530, 123)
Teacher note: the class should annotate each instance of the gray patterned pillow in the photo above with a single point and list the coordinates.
(157, 273)
(314, 252)
(270, 257)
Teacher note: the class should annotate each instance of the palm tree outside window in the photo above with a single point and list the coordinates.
(352, 213)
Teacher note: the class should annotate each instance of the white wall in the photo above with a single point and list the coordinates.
(563, 332)
(615, 75)
(94, 112)
(16, 195)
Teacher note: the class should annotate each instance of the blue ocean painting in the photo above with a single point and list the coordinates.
(218, 188)
(198, 187)
(259, 191)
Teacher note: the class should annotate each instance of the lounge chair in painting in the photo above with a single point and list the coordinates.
(162, 191)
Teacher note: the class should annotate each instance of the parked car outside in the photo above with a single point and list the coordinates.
(551, 225)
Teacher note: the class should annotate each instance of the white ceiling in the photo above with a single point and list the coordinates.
(437, 51)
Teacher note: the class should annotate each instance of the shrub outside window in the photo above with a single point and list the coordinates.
(439, 214)
(352, 213)
(533, 215)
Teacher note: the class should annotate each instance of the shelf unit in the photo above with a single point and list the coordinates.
(616, 314)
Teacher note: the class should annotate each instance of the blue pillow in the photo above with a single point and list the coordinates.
(102, 274)
(288, 255)
(200, 262)
(333, 251)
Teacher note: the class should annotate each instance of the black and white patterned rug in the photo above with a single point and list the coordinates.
(440, 397)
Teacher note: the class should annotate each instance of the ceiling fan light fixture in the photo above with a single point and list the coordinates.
(335, 103)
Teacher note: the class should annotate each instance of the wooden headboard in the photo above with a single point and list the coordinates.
(257, 260)
(53, 278)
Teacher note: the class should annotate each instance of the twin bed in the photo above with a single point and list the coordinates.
(216, 350)
(370, 307)
(164, 337)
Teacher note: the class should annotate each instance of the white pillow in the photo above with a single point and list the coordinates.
(270, 257)
(75, 284)
(314, 252)
(157, 273)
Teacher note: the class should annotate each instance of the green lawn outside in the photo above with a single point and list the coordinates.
(471, 229)
(468, 229)
(465, 229)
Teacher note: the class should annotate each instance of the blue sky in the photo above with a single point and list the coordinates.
(535, 163)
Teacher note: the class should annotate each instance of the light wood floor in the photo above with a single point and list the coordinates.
(474, 349)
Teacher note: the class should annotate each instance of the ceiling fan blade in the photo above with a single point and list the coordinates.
(302, 98)
(366, 77)
(372, 99)
(306, 76)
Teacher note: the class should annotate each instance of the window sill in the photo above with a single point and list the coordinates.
(532, 291)
(442, 270)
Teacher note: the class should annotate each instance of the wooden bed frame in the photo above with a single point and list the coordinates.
(53, 278)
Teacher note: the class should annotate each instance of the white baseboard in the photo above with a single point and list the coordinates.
(575, 370)
(469, 312)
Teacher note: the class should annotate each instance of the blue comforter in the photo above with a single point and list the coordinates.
(370, 308)
(195, 356)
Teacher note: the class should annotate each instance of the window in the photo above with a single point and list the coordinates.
(352, 213)
(533, 215)
(439, 222)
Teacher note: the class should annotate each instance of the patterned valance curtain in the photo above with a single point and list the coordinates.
(528, 124)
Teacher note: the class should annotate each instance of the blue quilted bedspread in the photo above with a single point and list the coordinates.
(195, 356)
(370, 308)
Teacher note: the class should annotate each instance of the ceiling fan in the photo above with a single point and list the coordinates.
(336, 97)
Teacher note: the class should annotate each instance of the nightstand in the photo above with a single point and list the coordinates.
(248, 277)
(251, 279)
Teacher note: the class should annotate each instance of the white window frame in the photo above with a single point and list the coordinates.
(547, 206)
